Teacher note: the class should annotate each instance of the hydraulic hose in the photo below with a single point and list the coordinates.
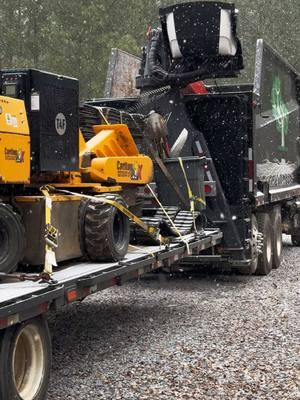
(163, 75)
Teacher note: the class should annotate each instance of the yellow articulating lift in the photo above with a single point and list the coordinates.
(50, 177)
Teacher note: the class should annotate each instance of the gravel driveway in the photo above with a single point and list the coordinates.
(212, 336)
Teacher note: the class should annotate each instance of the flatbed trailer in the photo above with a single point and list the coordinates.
(24, 334)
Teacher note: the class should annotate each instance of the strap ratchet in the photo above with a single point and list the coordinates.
(152, 231)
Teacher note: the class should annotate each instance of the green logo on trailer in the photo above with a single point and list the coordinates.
(280, 112)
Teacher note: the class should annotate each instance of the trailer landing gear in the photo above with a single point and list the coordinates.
(25, 360)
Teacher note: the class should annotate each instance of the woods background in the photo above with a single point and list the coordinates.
(74, 37)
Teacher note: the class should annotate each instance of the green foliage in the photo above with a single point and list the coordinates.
(75, 37)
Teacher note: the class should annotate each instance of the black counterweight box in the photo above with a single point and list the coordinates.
(52, 104)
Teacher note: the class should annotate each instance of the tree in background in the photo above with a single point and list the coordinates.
(75, 37)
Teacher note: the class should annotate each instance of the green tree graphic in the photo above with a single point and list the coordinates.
(280, 112)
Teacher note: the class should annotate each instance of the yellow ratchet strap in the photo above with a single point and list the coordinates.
(170, 220)
(190, 193)
(51, 234)
(151, 230)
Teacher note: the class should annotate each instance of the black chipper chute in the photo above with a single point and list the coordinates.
(196, 41)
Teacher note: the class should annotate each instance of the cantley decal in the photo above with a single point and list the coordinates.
(136, 172)
(16, 155)
(129, 170)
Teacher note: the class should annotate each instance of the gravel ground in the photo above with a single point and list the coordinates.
(212, 336)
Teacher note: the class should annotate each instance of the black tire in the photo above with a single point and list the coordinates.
(264, 265)
(25, 360)
(254, 250)
(12, 239)
(276, 222)
(105, 230)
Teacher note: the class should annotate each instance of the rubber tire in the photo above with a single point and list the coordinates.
(12, 239)
(264, 266)
(99, 236)
(254, 262)
(276, 222)
(8, 337)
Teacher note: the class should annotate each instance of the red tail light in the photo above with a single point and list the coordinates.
(207, 189)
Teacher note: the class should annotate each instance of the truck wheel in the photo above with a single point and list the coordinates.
(264, 265)
(254, 245)
(106, 230)
(25, 360)
(276, 237)
(12, 239)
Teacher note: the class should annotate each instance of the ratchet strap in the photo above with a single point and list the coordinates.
(51, 235)
(165, 171)
(170, 178)
(172, 181)
(192, 198)
(170, 220)
(151, 230)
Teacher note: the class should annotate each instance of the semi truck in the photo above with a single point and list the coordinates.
(225, 186)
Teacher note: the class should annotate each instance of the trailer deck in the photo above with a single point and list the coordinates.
(75, 281)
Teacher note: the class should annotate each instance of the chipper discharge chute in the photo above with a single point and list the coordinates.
(85, 183)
